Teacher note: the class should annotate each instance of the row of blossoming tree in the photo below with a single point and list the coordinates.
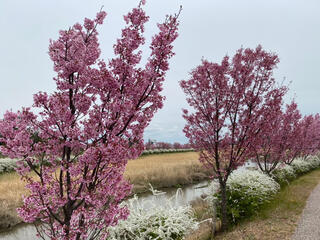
(84, 133)
(239, 114)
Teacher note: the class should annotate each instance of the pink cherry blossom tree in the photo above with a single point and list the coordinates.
(78, 144)
(299, 137)
(228, 100)
(278, 142)
(314, 135)
(309, 135)
(177, 145)
(291, 133)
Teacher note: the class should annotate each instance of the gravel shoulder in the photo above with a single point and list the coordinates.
(309, 224)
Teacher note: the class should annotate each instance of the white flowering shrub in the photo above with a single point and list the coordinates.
(302, 166)
(247, 190)
(298, 166)
(314, 161)
(147, 220)
(7, 165)
(284, 174)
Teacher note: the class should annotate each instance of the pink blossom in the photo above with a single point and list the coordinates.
(84, 133)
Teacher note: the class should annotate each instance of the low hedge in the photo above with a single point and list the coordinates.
(248, 190)
(299, 166)
(302, 166)
(160, 151)
(284, 174)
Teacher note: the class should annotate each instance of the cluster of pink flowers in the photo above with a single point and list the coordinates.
(85, 132)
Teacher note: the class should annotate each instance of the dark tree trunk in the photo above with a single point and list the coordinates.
(224, 205)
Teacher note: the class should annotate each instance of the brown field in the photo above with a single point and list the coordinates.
(165, 170)
(161, 170)
(11, 190)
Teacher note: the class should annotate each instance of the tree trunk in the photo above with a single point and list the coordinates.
(223, 205)
(213, 227)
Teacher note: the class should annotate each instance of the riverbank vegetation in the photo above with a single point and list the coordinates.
(278, 218)
(161, 170)
(165, 170)
(262, 206)
(253, 214)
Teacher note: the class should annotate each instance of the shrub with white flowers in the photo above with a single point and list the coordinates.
(147, 220)
(7, 165)
(247, 190)
(314, 161)
(284, 174)
(302, 166)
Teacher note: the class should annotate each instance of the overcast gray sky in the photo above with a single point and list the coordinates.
(209, 29)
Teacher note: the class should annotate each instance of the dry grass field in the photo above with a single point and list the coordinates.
(165, 170)
(11, 191)
(161, 170)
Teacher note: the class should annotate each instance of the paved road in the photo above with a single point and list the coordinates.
(309, 223)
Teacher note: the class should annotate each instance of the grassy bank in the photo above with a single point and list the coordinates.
(277, 219)
(161, 170)
(11, 191)
(165, 170)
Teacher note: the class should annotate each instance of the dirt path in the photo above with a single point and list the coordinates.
(309, 223)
